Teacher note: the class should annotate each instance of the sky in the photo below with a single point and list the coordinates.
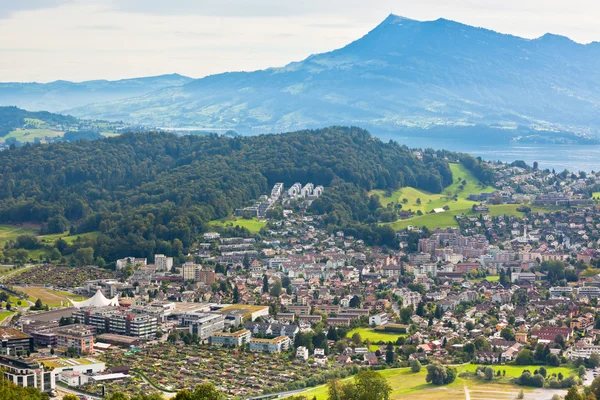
(47, 40)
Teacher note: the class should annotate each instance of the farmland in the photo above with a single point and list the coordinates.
(375, 336)
(253, 225)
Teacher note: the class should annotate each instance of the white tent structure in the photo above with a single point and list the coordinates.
(98, 300)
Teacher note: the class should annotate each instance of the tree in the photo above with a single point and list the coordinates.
(415, 366)
(367, 385)
(507, 334)
(594, 360)
(581, 371)
(38, 304)
(265, 288)
(525, 357)
(84, 256)
(390, 356)
(553, 360)
(276, 289)
(573, 394)
(118, 396)
(357, 339)
(354, 302)
(595, 386)
(70, 397)
(488, 373)
(405, 314)
(543, 372)
(440, 375)
(207, 391)
(55, 255)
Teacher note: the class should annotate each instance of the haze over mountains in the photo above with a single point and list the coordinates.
(402, 74)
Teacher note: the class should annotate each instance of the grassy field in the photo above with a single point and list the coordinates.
(52, 298)
(253, 225)
(50, 239)
(375, 336)
(10, 232)
(408, 385)
(429, 201)
(4, 314)
(596, 195)
(453, 196)
(493, 278)
(29, 135)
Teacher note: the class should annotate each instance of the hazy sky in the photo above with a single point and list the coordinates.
(45, 40)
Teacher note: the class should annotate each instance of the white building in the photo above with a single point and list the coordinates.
(162, 262)
(378, 319)
(302, 353)
(131, 260)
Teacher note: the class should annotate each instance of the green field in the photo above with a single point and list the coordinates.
(452, 196)
(253, 225)
(493, 278)
(29, 135)
(429, 201)
(50, 239)
(375, 336)
(408, 385)
(10, 232)
(4, 314)
(596, 195)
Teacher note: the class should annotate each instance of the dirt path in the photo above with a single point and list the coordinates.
(467, 394)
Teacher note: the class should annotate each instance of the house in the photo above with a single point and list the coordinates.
(488, 357)
(302, 353)
(370, 359)
(276, 345)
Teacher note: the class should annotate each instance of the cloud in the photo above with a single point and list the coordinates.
(9, 7)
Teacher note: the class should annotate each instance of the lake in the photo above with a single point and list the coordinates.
(557, 156)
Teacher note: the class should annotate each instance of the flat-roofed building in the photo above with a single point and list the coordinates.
(231, 339)
(27, 373)
(15, 342)
(276, 345)
(203, 324)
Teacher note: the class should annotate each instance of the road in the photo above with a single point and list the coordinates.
(62, 391)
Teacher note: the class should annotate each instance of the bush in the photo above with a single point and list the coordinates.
(415, 366)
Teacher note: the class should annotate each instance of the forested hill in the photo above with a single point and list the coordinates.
(144, 190)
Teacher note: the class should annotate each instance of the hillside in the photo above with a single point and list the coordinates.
(144, 190)
(20, 126)
(404, 74)
(62, 95)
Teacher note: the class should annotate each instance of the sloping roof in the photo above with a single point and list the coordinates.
(98, 300)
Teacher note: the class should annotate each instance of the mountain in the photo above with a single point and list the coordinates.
(402, 74)
(61, 95)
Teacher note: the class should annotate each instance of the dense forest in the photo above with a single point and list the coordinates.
(143, 191)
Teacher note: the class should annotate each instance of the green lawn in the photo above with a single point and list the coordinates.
(253, 225)
(493, 278)
(375, 336)
(514, 371)
(596, 195)
(4, 314)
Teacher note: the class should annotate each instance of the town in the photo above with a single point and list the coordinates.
(294, 305)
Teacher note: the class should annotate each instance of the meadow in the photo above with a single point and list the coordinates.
(10, 232)
(408, 385)
(453, 197)
(253, 225)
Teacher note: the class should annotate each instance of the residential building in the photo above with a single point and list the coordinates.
(27, 373)
(231, 339)
(276, 345)
(162, 262)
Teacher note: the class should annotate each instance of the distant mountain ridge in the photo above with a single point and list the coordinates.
(62, 95)
(404, 74)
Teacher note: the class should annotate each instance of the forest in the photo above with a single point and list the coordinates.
(155, 192)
